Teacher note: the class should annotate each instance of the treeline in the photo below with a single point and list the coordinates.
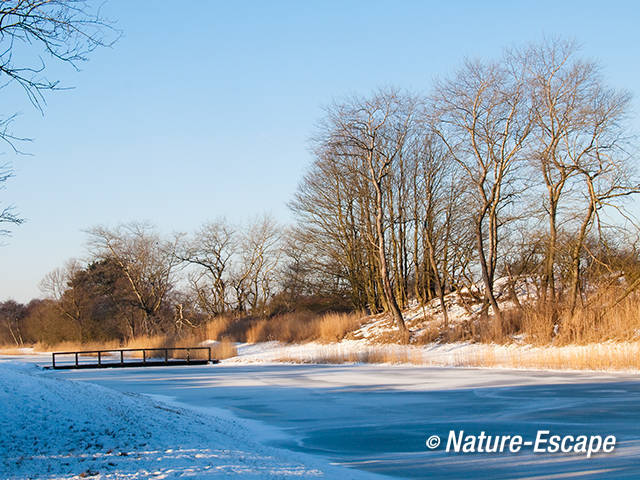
(519, 167)
(137, 283)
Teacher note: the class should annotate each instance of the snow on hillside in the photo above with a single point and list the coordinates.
(461, 307)
(376, 341)
(59, 429)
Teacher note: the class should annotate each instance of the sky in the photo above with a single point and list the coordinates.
(206, 111)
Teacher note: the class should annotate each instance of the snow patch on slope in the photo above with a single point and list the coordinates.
(462, 306)
(58, 429)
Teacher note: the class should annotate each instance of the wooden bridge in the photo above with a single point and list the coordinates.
(124, 357)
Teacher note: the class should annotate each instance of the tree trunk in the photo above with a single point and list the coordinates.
(392, 304)
(575, 259)
(486, 276)
(436, 277)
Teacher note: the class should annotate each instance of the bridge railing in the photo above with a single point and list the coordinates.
(123, 357)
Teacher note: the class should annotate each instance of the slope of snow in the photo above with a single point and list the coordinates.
(461, 307)
(54, 428)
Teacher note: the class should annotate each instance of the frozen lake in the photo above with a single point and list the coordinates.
(377, 418)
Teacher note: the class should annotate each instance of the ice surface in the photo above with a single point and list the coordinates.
(376, 417)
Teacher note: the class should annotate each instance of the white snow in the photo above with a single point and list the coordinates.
(373, 342)
(180, 422)
(58, 429)
(458, 354)
(376, 417)
(461, 307)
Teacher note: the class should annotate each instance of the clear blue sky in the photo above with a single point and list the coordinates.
(205, 110)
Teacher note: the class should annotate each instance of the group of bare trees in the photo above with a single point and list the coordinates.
(517, 168)
(232, 269)
(514, 167)
(137, 282)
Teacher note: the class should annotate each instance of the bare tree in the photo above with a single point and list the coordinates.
(147, 261)
(7, 213)
(406, 207)
(438, 212)
(255, 268)
(369, 136)
(56, 282)
(579, 147)
(56, 286)
(512, 171)
(482, 116)
(330, 206)
(211, 250)
(607, 176)
(32, 32)
(562, 90)
(12, 316)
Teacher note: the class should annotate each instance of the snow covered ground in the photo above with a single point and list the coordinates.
(607, 356)
(275, 412)
(372, 418)
(461, 307)
(53, 428)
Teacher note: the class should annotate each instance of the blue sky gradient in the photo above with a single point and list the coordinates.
(206, 111)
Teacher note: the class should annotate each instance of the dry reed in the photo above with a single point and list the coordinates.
(600, 357)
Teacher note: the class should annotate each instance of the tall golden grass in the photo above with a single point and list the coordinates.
(595, 336)
(223, 349)
(600, 357)
(592, 323)
(290, 328)
(596, 323)
(368, 355)
(76, 346)
(300, 328)
(220, 350)
(542, 325)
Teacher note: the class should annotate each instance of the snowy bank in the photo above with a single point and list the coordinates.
(54, 429)
(606, 356)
